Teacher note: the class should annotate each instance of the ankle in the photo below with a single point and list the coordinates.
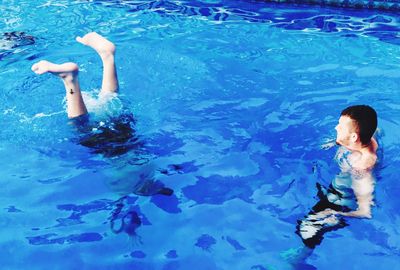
(71, 82)
(69, 77)
(107, 57)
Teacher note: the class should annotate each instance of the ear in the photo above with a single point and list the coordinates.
(354, 137)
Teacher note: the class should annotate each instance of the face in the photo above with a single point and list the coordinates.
(346, 131)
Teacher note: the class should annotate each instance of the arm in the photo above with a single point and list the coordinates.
(363, 210)
(363, 189)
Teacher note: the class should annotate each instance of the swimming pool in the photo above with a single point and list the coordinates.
(233, 100)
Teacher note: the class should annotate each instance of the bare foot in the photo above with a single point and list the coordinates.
(64, 71)
(68, 72)
(101, 45)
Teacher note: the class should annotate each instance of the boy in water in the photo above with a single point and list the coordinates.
(351, 192)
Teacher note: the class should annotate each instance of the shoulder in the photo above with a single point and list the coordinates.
(364, 159)
(355, 157)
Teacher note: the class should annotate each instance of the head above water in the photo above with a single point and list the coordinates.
(357, 124)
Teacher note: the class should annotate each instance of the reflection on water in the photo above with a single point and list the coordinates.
(128, 220)
(10, 41)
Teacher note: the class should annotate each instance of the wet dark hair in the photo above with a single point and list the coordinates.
(366, 120)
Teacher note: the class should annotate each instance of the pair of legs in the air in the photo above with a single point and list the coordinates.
(68, 72)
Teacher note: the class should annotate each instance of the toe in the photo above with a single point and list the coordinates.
(35, 67)
(80, 39)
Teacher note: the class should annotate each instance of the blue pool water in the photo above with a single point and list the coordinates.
(232, 101)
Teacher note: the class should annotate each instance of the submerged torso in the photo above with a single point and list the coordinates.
(340, 191)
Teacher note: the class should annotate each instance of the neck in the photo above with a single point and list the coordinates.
(358, 146)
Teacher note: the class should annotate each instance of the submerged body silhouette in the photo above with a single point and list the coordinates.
(111, 138)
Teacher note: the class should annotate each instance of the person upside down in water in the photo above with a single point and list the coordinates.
(113, 138)
(351, 191)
